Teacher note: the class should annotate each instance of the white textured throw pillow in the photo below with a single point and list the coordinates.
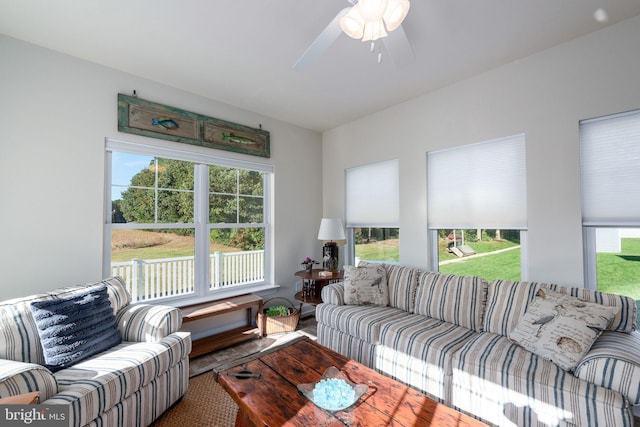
(366, 285)
(561, 328)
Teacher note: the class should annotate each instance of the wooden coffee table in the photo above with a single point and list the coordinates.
(274, 400)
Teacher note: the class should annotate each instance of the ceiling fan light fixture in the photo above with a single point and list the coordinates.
(374, 30)
(395, 13)
(371, 19)
(352, 23)
(371, 10)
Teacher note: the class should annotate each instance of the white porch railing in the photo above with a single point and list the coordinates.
(158, 278)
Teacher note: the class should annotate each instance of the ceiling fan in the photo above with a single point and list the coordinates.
(377, 21)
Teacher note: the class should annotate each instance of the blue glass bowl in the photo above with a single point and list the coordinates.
(340, 403)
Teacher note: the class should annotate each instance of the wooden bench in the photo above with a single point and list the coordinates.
(224, 339)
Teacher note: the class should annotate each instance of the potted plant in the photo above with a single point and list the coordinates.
(307, 263)
(278, 311)
(278, 318)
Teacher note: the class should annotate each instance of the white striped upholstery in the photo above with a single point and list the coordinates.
(402, 282)
(346, 344)
(142, 322)
(128, 385)
(417, 351)
(18, 332)
(333, 293)
(624, 320)
(456, 299)
(136, 410)
(507, 302)
(19, 378)
(614, 362)
(491, 374)
(363, 322)
(118, 294)
(456, 349)
(97, 384)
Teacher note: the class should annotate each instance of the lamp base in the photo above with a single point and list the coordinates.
(330, 256)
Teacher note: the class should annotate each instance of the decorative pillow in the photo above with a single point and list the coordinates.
(561, 328)
(366, 285)
(75, 327)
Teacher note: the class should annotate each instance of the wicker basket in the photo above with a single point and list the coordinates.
(276, 325)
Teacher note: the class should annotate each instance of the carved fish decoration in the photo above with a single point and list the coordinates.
(166, 123)
(232, 137)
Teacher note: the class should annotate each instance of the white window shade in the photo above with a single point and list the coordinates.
(478, 186)
(372, 195)
(610, 160)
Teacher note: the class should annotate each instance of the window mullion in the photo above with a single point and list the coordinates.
(201, 217)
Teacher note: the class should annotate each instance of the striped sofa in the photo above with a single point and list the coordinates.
(130, 384)
(446, 335)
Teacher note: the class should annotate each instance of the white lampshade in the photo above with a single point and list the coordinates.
(331, 229)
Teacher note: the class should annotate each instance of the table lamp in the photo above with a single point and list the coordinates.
(330, 229)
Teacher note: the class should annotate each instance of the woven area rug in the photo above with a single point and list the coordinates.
(205, 404)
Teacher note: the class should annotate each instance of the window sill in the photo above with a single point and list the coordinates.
(212, 295)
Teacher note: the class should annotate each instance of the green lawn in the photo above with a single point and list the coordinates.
(503, 265)
(620, 273)
(384, 250)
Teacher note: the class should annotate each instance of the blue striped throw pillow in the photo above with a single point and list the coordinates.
(75, 327)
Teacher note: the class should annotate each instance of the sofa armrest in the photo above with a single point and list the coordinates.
(614, 362)
(333, 294)
(20, 377)
(148, 323)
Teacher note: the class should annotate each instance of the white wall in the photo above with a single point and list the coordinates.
(55, 112)
(543, 96)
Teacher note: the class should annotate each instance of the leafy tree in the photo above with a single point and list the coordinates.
(163, 193)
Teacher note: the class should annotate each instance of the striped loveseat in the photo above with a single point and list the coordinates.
(130, 384)
(446, 335)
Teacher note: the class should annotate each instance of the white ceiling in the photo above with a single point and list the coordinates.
(241, 52)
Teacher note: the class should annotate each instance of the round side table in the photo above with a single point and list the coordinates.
(313, 282)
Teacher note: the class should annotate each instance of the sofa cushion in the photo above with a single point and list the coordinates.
(505, 384)
(20, 377)
(146, 322)
(561, 328)
(614, 362)
(118, 294)
(625, 318)
(456, 299)
(417, 351)
(95, 385)
(402, 282)
(366, 285)
(20, 340)
(363, 322)
(75, 327)
(507, 302)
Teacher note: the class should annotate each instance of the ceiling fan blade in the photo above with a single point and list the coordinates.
(322, 42)
(399, 47)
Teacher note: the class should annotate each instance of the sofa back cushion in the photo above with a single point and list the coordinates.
(456, 299)
(508, 301)
(20, 340)
(75, 327)
(624, 320)
(402, 283)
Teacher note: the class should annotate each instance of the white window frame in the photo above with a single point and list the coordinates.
(368, 212)
(517, 222)
(601, 207)
(201, 223)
